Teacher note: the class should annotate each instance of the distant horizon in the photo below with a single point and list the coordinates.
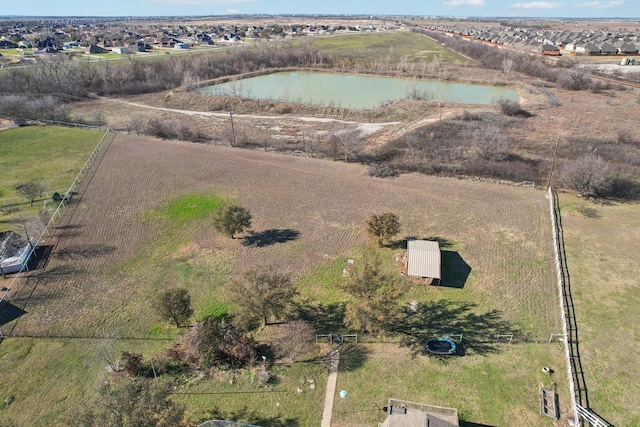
(328, 15)
(461, 9)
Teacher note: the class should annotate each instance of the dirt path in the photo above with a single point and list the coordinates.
(366, 128)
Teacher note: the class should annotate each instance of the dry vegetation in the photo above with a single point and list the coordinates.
(586, 121)
(602, 248)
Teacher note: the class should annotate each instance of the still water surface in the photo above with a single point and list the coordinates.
(354, 91)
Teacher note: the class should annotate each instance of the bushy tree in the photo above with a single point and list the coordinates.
(263, 294)
(383, 226)
(132, 363)
(232, 219)
(218, 341)
(375, 294)
(174, 304)
(589, 175)
(511, 108)
(139, 403)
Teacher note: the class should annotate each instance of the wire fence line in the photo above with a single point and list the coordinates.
(577, 382)
(554, 209)
(103, 144)
(22, 200)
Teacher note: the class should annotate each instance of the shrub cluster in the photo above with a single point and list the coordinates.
(172, 129)
(379, 171)
(23, 108)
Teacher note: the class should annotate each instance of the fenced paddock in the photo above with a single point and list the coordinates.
(106, 139)
(116, 248)
(575, 371)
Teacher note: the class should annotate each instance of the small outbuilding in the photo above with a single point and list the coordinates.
(15, 251)
(424, 259)
(402, 413)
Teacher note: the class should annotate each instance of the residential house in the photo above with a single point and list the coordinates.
(627, 49)
(608, 49)
(550, 50)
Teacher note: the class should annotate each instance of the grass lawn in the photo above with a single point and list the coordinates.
(61, 372)
(392, 47)
(498, 390)
(603, 243)
(50, 155)
(293, 397)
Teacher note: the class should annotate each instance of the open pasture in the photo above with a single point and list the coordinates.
(125, 240)
(49, 155)
(603, 242)
(389, 47)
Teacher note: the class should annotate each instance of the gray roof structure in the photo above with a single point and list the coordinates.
(401, 413)
(424, 259)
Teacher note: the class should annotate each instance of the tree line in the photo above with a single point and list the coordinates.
(70, 79)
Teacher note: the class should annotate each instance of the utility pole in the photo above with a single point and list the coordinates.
(233, 130)
(553, 162)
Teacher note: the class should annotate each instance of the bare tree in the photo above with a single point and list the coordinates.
(575, 80)
(294, 339)
(31, 226)
(99, 118)
(217, 341)
(108, 352)
(348, 142)
(590, 175)
(136, 125)
(30, 190)
(489, 141)
(507, 65)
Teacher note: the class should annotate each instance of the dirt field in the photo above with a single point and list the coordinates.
(325, 201)
(111, 256)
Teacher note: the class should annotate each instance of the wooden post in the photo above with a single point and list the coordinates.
(553, 163)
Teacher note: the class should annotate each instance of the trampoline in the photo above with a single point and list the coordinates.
(440, 346)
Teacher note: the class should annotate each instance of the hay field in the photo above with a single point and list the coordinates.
(114, 251)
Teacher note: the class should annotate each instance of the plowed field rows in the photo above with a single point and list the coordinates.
(495, 227)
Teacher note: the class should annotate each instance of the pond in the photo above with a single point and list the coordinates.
(354, 91)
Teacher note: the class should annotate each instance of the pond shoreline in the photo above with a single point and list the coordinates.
(351, 90)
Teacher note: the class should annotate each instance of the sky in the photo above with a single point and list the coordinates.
(460, 8)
